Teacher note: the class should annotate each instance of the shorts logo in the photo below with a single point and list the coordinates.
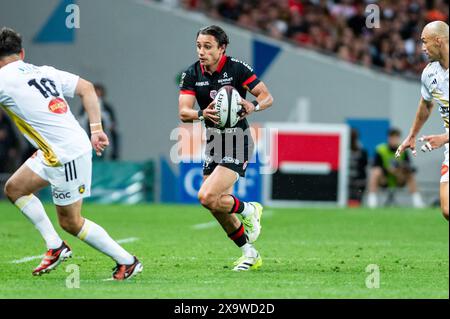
(62, 196)
(81, 189)
(58, 106)
(444, 170)
(213, 94)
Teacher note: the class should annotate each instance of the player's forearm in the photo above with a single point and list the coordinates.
(445, 138)
(86, 91)
(188, 115)
(265, 100)
(92, 107)
(422, 115)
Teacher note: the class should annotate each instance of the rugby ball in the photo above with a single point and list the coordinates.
(227, 106)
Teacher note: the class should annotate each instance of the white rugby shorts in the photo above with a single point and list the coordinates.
(69, 182)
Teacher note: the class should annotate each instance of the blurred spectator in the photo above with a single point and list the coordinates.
(108, 121)
(9, 145)
(391, 172)
(339, 27)
(358, 166)
(229, 9)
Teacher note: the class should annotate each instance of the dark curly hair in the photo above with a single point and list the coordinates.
(10, 42)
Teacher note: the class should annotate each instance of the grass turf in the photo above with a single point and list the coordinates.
(307, 253)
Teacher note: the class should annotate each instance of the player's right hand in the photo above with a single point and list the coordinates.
(409, 142)
(99, 142)
(210, 113)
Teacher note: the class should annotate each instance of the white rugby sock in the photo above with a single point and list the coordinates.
(417, 200)
(248, 209)
(372, 200)
(98, 238)
(249, 250)
(32, 208)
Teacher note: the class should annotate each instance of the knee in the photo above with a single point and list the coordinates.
(72, 225)
(207, 199)
(11, 190)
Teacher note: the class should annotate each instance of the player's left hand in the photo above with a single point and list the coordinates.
(99, 142)
(247, 108)
(433, 142)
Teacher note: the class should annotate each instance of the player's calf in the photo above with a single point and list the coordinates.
(71, 224)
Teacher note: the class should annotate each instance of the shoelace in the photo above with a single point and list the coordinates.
(47, 258)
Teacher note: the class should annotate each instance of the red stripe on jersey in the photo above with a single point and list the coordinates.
(249, 80)
(201, 68)
(222, 62)
(189, 92)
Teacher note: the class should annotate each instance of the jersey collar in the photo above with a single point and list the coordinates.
(222, 62)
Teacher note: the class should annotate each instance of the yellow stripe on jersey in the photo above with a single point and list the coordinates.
(26, 129)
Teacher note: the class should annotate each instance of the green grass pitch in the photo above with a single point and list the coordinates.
(307, 253)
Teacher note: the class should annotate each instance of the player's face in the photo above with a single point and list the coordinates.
(394, 141)
(430, 46)
(208, 50)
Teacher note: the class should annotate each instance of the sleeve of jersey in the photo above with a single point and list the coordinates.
(424, 89)
(249, 78)
(187, 83)
(69, 82)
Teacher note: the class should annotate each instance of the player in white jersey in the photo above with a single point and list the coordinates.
(435, 38)
(34, 98)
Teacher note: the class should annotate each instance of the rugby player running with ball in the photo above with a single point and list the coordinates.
(225, 163)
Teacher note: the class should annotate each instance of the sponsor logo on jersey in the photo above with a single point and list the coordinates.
(204, 83)
(243, 63)
(63, 195)
(230, 160)
(182, 79)
(444, 170)
(58, 106)
(225, 81)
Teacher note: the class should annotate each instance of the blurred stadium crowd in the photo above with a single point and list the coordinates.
(337, 26)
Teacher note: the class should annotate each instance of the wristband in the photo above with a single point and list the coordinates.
(256, 104)
(200, 115)
(96, 127)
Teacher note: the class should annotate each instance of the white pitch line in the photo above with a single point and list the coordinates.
(30, 258)
(26, 259)
(127, 240)
(266, 214)
(206, 225)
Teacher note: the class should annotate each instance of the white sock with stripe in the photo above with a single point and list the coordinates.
(248, 209)
(33, 209)
(98, 238)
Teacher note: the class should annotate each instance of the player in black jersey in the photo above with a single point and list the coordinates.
(229, 150)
